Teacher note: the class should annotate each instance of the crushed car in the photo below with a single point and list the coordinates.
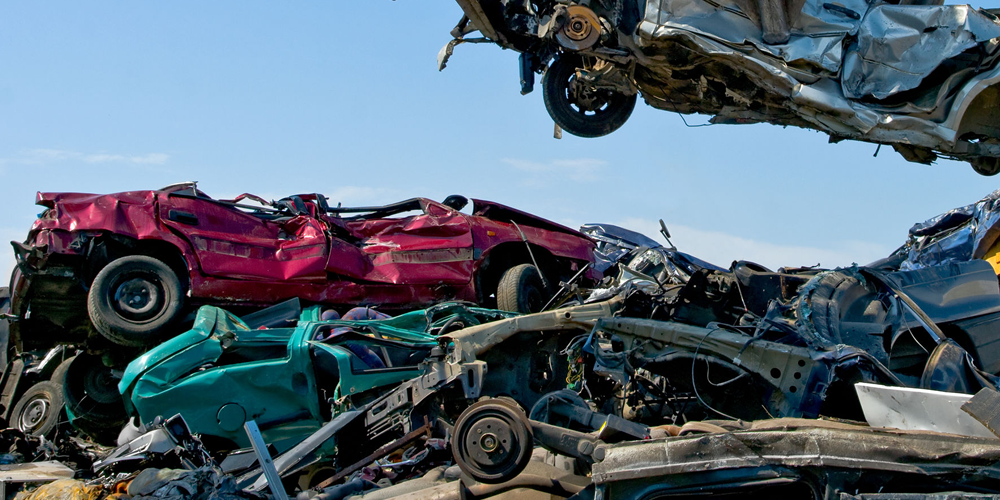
(289, 380)
(958, 235)
(920, 78)
(128, 262)
(782, 350)
(115, 274)
(632, 260)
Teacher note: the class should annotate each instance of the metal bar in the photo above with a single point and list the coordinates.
(289, 459)
(264, 459)
(531, 254)
(564, 289)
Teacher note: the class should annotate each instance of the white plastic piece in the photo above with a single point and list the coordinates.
(918, 410)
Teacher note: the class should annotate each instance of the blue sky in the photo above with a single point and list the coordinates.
(344, 98)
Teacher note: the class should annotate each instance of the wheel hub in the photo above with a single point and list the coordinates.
(33, 416)
(585, 97)
(100, 383)
(489, 441)
(492, 441)
(986, 165)
(137, 296)
(582, 29)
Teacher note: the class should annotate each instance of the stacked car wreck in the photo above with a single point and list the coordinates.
(668, 376)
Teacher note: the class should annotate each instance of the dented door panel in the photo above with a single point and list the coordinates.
(432, 248)
(233, 244)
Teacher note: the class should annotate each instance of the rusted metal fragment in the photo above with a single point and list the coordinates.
(795, 450)
(985, 407)
(473, 341)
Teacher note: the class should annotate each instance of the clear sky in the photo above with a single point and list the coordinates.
(344, 98)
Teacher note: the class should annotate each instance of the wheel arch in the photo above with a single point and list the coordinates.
(504, 256)
(981, 117)
(107, 248)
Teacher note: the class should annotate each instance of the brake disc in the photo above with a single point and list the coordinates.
(492, 441)
(581, 30)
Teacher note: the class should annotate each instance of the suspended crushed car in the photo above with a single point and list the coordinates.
(920, 78)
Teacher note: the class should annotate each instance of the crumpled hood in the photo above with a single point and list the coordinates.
(130, 213)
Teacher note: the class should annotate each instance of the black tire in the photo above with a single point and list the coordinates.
(492, 441)
(605, 112)
(4, 326)
(37, 412)
(986, 166)
(157, 299)
(59, 374)
(90, 391)
(521, 290)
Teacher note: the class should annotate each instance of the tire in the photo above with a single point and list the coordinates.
(4, 326)
(608, 111)
(157, 300)
(59, 374)
(521, 290)
(37, 412)
(986, 166)
(90, 392)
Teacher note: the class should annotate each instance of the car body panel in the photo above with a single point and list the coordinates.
(284, 378)
(237, 245)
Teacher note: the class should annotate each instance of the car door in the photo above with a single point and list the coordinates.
(428, 248)
(235, 243)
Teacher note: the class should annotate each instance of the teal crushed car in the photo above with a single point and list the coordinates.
(222, 373)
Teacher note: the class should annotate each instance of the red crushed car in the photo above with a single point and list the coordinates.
(128, 265)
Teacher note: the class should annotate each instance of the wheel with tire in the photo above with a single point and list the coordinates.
(134, 299)
(581, 110)
(90, 391)
(37, 412)
(521, 290)
(492, 441)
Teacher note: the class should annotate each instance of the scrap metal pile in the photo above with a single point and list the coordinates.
(555, 364)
